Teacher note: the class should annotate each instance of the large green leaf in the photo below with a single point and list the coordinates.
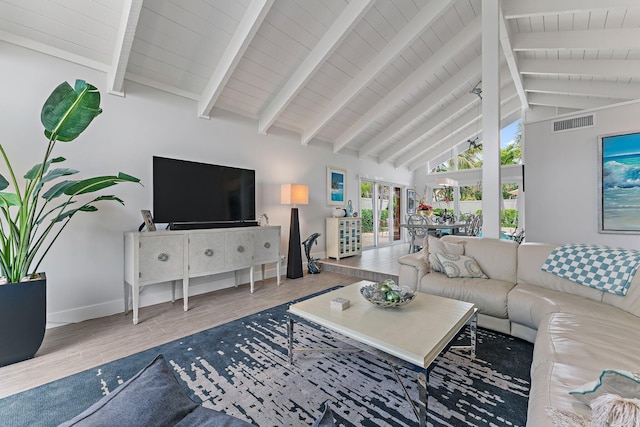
(127, 178)
(3, 182)
(110, 197)
(68, 111)
(57, 190)
(98, 183)
(71, 212)
(42, 217)
(33, 172)
(9, 199)
(57, 173)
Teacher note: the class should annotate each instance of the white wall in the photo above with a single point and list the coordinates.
(561, 179)
(85, 268)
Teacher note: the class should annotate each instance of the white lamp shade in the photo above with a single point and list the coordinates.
(294, 194)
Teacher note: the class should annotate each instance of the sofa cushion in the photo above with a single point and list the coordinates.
(205, 417)
(572, 349)
(497, 258)
(437, 246)
(611, 381)
(595, 343)
(154, 388)
(456, 266)
(528, 305)
(153, 397)
(489, 295)
(550, 386)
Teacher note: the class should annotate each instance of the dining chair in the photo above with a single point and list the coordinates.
(476, 228)
(417, 235)
(468, 225)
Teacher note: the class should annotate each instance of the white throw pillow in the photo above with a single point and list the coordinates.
(460, 266)
(623, 383)
(436, 246)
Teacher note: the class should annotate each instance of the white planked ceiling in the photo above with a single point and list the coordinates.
(387, 79)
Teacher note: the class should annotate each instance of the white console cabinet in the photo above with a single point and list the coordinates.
(344, 237)
(169, 256)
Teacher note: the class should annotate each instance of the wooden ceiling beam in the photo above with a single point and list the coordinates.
(124, 42)
(470, 73)
(507, 109)
(512, 61)
(622, 91)
(409, 33)
(569, 101)
(444, 132)
(582, 67)
(334, 36)
(433, 64)
(527, 8)
(618, 38)
(247, 29)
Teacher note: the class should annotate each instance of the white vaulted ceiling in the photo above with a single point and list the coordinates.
(386, 79)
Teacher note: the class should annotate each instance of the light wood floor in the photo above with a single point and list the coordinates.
(73, 348)
(382, 261)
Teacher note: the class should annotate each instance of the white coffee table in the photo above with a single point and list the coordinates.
(415, 333)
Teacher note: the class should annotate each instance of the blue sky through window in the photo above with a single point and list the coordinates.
(508, 133)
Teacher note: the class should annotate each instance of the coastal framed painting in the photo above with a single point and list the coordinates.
(336, 186)
(619, 183)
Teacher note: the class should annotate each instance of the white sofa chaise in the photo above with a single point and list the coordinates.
(577, 331)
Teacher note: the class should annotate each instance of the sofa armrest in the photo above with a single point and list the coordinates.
(412, 269)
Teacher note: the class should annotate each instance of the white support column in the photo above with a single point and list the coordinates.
(456, 189)
(491, 187)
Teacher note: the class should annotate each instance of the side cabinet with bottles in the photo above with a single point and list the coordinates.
(344, 237)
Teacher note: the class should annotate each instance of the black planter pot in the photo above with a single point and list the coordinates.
(23, 319)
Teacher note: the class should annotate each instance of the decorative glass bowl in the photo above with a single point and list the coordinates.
(380, 297)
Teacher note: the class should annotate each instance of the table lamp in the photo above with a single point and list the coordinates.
(294, 194)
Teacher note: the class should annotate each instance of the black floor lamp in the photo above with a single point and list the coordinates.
(294, 194)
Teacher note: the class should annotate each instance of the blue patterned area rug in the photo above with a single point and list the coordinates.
(242, 368)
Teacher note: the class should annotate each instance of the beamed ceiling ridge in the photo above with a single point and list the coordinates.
(388, 80)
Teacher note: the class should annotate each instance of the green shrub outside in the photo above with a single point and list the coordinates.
(367, 219)
(508, 217)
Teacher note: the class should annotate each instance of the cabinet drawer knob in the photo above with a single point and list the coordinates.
(163, 257)
(240, 248)
(208, 252)
(267, 245)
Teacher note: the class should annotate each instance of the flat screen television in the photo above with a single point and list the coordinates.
(199, 195)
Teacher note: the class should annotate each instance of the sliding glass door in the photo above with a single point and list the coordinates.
(381, 205)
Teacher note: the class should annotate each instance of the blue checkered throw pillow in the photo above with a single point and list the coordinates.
(600, 267)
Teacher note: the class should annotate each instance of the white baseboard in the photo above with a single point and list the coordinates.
(158, 294)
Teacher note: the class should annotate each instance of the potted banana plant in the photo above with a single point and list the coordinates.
(34, 210)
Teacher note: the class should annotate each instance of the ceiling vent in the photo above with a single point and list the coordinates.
(574, 123)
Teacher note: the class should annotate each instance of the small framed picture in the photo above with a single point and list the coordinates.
(148, 220)
(336, 186)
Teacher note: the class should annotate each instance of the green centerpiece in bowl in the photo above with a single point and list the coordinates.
(387, 294)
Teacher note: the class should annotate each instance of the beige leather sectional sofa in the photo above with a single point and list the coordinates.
(577, 331)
